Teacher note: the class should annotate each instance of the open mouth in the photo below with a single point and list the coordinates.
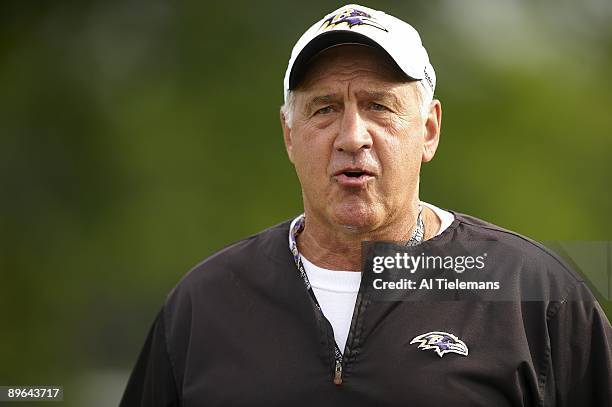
(353, 177)
(354, 174)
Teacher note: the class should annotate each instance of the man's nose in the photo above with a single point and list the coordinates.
(353, 133)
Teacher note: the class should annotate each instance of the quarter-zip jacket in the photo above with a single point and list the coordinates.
(240, 330)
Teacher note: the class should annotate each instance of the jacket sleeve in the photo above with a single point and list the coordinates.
(581, 353)
(152, 382)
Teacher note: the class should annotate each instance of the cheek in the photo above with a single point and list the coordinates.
(400, 155)
(311, 158)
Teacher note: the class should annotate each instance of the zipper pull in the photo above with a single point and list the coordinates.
(338, 373)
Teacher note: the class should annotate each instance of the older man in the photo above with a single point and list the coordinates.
(286, 318)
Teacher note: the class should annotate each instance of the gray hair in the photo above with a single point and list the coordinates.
(423, 95)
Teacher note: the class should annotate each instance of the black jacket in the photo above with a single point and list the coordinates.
(240, 330)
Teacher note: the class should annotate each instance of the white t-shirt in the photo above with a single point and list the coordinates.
(337, 290)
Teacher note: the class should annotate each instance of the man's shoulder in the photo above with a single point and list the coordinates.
(472, 228)
(264, 243)
(269, 246)
(516, 248)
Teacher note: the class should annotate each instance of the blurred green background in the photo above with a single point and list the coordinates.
(138, 137)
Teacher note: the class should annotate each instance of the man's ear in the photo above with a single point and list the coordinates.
(287, 136)
(433, 125)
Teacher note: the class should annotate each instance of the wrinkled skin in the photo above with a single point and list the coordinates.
(354, 111)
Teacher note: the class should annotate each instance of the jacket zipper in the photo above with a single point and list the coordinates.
(338, 373)
(339, 357)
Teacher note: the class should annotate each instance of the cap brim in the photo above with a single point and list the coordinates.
(327, 40)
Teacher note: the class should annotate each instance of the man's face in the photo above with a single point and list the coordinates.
(358, 138)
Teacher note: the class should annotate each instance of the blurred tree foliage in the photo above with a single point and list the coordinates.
(139, 137)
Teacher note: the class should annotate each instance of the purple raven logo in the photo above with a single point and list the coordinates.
(351, 17)
(441, 343)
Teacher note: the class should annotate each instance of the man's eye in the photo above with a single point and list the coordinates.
(377, 107)
(325, 110)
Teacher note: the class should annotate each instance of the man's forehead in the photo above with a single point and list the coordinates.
(348, 60)
(324, 95)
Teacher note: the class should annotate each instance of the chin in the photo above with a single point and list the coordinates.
(357, 216)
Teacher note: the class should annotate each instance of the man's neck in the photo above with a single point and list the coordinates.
(339, 248)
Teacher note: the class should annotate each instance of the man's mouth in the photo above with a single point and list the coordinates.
(353, 177)
(353, 174)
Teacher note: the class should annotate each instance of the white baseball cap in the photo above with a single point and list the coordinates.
(355, 24)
